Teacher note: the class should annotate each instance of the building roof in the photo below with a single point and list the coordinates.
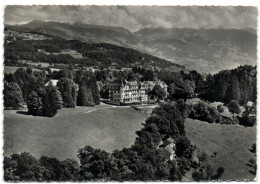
(250, 104)
(170, 140)
(169, 149)
(133, 83)
(158, 82)
(53, 81)
(123, 82)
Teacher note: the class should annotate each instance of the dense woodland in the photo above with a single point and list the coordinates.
(26, 87)
(144, 160)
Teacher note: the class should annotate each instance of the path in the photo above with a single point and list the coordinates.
(110, 107)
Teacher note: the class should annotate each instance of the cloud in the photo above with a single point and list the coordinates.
(137, 17)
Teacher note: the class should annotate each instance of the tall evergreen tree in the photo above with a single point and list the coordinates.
(233, 92)
(58, 98)
(68, 90)
(94, 90)
(49, 103)
(84, 96)
(34, 104)
(10, 78)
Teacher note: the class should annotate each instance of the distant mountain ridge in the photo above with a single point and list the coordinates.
(205, 50)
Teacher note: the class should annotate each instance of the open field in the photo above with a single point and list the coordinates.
(113, 127)
(12, 69)
(231, 142)
(105, 127)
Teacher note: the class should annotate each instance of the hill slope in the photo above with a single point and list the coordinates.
(205, 50)
(94, 54)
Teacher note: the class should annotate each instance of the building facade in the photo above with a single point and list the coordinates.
(122, 92)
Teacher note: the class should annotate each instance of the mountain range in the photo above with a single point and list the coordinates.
(204, 50)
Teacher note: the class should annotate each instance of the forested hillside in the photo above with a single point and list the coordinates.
(93, 54)
(204, 50)
(238, 84)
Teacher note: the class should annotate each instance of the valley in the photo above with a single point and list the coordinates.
(210, 49)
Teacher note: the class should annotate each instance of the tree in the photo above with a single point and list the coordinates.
(181, 89)
(208, 171)
(252, 161)
(84, 96)
(34, 104)
(29, 71)
(43, 102)
(248, 116)
(202, 156)
(149, 75)
(49, 102)
(253, 148)
(158, 92)
(220, 171)
(94, 90)
(22, 167)
(253, 164)
(183, 147)
(172, 121)
(233, 92)
(220, 108)
(9, 78)
(197, 175)
(13, 97)
(58, 98)
(25, 167)
(68, 91)
(64, 73)
(95, 164)
(233, 107)
(184, 109)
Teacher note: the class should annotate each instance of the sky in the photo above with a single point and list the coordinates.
(134, 18)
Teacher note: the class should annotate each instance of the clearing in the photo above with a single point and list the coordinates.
(103, 126)
(12, 69)
(231, 142)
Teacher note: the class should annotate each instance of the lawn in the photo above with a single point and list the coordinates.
(231, 142)
(12, 69)
(103, 127)
(108, 127)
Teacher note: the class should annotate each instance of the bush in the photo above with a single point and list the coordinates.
(220, 108)
(247, 121)
(253, 148)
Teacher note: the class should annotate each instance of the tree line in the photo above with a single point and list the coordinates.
(238, 84)
(101, 54)
(28, 87)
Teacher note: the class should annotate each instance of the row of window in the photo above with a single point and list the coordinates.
(127, 91)
(135, 94)
(116, 100)
(114, 91)
(114, 87)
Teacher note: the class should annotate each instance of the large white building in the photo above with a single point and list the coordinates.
(122, 92)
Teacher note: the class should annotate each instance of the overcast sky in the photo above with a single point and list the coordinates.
(138, 17)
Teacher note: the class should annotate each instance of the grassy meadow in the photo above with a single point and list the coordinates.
(109, 127)
(231, 142)
(12, 69)
(103, 127)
